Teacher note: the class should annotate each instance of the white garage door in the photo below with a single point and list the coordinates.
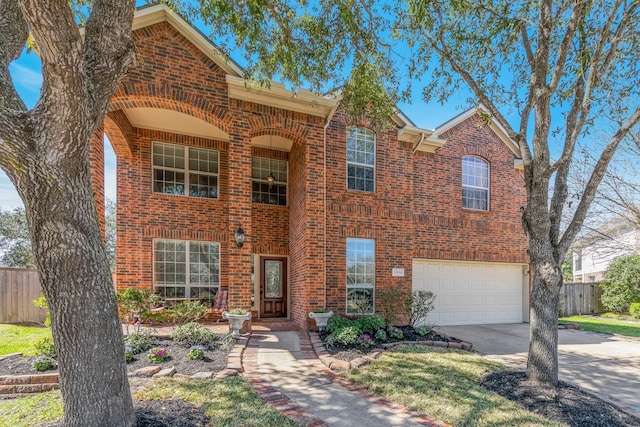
(471, 293)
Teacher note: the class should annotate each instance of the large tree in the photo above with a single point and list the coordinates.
(44, 150)
(550, 72)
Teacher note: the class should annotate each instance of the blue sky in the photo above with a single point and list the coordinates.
(27, 78)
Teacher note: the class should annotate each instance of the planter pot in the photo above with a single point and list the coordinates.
(321, 318)
(236, 321)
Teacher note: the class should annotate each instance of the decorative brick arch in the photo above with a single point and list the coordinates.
(218, 116)
(119, 131)
(478, 151)
(285, 128)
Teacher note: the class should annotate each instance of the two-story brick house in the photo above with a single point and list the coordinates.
(330, 210)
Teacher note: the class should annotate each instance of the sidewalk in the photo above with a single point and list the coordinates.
(284, 370)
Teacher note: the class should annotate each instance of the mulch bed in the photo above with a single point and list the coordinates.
(215, 360)
(566, 403)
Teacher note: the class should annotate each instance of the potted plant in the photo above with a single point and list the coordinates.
(321, 317)
(236, 318)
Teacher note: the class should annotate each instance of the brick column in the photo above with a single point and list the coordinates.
(239, 214)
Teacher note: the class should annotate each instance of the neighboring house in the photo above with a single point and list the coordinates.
(332, 211)
(593, 253)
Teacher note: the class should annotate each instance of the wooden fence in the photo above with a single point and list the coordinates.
(580, 298)
(18, 289)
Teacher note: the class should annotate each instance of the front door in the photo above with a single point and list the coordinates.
(273, 287)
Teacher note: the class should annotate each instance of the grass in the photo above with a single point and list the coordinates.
(442, 384)
(605, 326)
(16, 338)
(32, 410)
(228, 402)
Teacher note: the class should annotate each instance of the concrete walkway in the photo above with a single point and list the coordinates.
(284, 370)
(605, 365)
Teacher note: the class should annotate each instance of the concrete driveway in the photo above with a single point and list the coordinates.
(606, 365)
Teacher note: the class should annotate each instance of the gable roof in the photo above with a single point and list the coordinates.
(493, 124)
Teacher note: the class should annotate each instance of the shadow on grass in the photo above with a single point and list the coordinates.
(441, 383)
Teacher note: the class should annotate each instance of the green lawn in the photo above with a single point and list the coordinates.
(441, 383)
(604, 326)
(14, 338)
(228, 402)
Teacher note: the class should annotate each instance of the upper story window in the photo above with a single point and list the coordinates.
(577, 261)
(475, 183)
(186, 269)
(361, 159)
(269, 181)
(361, 276)
(186, 171)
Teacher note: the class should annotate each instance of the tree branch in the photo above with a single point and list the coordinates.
(558, 72)
(594, 181)
(109, 52)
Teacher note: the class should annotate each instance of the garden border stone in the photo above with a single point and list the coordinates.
(342, 365)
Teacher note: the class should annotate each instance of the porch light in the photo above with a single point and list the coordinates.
(270, 178)
(239, 235)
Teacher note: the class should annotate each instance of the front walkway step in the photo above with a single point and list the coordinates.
(283, 368)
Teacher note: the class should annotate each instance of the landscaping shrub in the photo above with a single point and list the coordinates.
(417, 306)
(422, 331)
(43, 362)
(344, 336)
(192, 333)
(41, 302)
(634, 310)
(621, 286)
(187, 311)
(134, 305)
(45, 346)
(196, 352)
(338, 322)
(381, 335)
(370, 323)
(365, 340)
(158, 355)
(128, 354)
(140, 341)
(390, 301)
(395, 333)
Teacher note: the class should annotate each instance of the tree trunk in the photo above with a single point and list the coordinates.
(542, 363)
(77, 283)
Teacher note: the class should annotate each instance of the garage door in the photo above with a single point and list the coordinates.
(471, 293)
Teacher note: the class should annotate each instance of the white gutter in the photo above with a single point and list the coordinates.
(324, 159)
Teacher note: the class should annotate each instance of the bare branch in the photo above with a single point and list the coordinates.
(558, 72)
(594, 181)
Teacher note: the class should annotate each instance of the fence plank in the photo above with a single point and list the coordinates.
(18, 289)
(580, 298)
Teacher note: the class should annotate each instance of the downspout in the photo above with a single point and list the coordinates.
(415, 147)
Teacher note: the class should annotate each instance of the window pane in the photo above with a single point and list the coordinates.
(204, 265)
(203, 186)
(203, 160)
(475, 183)
(360, 178)
(276, 194)
(360, 265)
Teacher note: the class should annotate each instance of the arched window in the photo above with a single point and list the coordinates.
(475, 183)
(361, 159)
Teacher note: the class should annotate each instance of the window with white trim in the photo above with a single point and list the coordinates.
(475, 183)
(186, 269)
(264, 191)
(186, 171)
(361, 276)
(361, 159)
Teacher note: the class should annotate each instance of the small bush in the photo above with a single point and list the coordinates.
(395, 333)
(621, 286)
(344, 336)
(41, 302)
(43, 362)
(370, 323)
(191, 334)
(381, 335)
(417, 306)
(187, 311)
(365, 340)
(140, 341)
(422, 331)
(158, 355)
(336, 323)
(128, 355)
(634, 310)
(196, 352)
(45, 346)
(134, 305)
